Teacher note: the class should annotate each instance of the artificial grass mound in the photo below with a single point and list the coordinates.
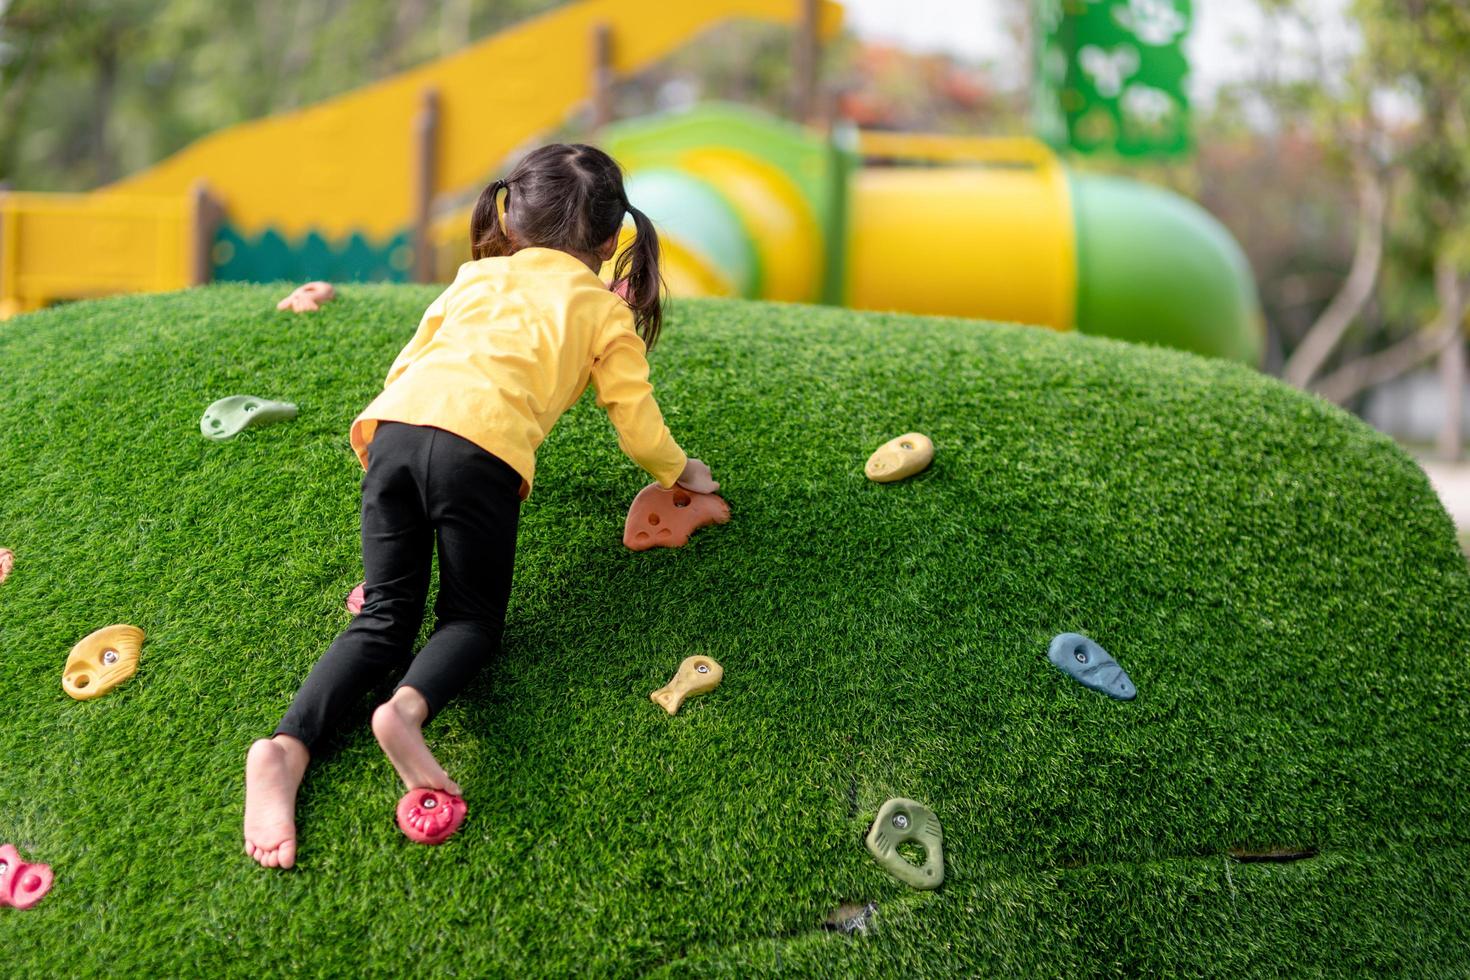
(1277, 579)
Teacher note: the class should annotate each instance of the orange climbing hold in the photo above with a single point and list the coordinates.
(662, 518)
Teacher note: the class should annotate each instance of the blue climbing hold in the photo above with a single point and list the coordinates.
(1091, 666)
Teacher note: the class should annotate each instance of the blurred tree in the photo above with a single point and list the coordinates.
(94, 89)
(1398, 125)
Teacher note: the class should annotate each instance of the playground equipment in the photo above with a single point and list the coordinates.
(228, 417)
(660, 518)
(903, 821)
(900, 457)
(430, 816)
(746, 205)
(343, 189)
(1091, 666)
(696, 675)
(22, 884)
(101, 661)
(308, 298)
(993, 228)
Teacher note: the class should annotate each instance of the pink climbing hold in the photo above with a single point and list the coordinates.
(308, 298)
(7, 563)
(430, 816)
(354, 599)
(22, 885)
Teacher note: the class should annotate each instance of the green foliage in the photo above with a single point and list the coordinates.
(1422, 48)
(1278, 580)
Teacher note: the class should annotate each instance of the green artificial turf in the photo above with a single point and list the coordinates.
(1278, 580)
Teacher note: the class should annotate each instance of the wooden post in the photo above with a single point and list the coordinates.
(207, 214)
(1451, 359)
(1452, 385)
(806, 49)
(425, 146)
(602, 75)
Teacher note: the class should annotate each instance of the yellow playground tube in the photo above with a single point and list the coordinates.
(982, 228)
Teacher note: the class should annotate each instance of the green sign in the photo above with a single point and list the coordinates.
(1110, 75)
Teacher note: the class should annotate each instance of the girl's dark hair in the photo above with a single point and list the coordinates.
(569, 196)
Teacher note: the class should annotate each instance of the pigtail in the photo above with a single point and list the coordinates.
(487, 235)
(638, 263)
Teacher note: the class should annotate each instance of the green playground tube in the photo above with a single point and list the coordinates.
(754, 207)
(1156, 268)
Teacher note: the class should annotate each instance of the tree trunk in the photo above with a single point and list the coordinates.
(1446, 328)
(105, 58)
(1306, 361)
(1451, 361)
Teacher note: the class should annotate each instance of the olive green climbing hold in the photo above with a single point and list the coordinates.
(229, 416)
(902, 821)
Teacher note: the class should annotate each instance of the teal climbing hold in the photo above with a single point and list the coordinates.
(1091, 666)
(902, 821)
(229, 416)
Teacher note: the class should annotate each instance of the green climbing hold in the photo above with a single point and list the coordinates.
(228, 416)
(901, 821)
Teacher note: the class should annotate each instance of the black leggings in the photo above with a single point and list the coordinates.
(421, 483)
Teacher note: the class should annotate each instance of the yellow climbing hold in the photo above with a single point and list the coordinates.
(898, 458)
(102, 661)
(697, 675)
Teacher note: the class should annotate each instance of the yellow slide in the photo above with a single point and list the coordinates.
(339, 177)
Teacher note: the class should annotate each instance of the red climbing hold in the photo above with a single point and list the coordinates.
(430, 816)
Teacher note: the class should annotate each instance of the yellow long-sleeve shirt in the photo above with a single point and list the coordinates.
(509, 347)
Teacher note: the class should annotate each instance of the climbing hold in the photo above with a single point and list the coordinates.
(696, 675)
(850, 917)
(308, 298)
(21, 884)
(1091, 666)
(7, 563)
(902, 821)
(662, 518)
(354, 598)
(229, 416)
(898, 458)
(102, 660)
(430, 816)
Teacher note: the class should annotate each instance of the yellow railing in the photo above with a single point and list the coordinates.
(74, 246)
(944, 148)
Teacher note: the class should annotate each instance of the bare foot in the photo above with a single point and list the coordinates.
(398, 725)
(273, 771)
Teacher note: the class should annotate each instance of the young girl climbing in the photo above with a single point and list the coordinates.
(450, 452)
